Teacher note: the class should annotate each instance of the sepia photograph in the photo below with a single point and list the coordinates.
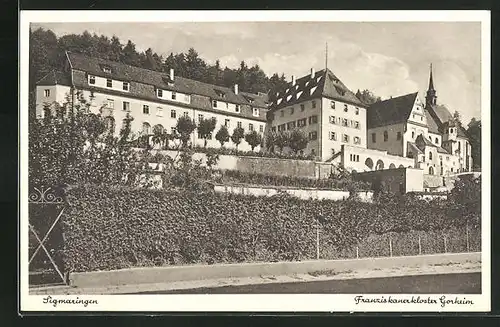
(269, 161)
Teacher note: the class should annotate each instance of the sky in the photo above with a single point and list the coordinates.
(389, 59)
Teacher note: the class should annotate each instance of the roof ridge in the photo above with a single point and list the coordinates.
(397, 97)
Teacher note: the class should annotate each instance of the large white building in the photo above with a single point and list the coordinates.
(397, 132)
(152, 98)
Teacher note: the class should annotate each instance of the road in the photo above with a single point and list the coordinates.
(466, 283)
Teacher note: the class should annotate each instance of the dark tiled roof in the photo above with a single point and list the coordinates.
(414, 146)
(431, 123)
(422, 142)
(55, 77)
(390, 111)
(442, 113)
(323, 83)
(258, 100)
(161, 80)
(441, 150)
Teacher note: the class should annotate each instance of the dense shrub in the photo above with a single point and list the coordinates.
(111, 228)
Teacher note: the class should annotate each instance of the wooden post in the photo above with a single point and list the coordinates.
(419, 245)
(357, 252)
(390, 246)
(317, 241)
(467, 235)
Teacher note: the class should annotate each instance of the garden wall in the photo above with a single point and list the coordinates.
(268, 166)
(111, 228)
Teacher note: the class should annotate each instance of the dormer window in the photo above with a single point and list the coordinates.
(109, 83)
(91, 79)
(174, 95)
(332, 104)
(237, 108)
(357, 111)
(256, 112)
(345, 108)
(220, 93)
(125, 86)
(214, 103)
(106, 69)
(160, 93)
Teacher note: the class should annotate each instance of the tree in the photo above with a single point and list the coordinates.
(367, 97)
(222, 135)
(205, 128)
(185, 127)
(238, 135)
(270, 141)
(298, 140)
(160, 136)
(130, 56)
(253, 139)
(282, 140)
(457, 118)
(474, 132)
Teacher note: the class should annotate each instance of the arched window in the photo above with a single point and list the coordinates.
(431, 170)
(369, 163)
(158, 129)
(380, 165)
(401, 166)
(392, 166)
(386, 136)
(146, 128)
(430, 155)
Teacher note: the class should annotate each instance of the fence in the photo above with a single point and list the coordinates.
(455, 240)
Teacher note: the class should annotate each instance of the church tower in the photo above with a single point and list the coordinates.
(430, 98)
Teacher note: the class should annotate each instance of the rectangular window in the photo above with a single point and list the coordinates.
(261, 128)
(186, 114)
(126, 106)
(386, 136)
(356, 124)
(273, 128)
(91, 79)
(333, 136)
(374, 137)
(345, 108)
(214, 103)
(357, 140)
(174, 96)
(344, 122)
(313, 136)
(173, 114)
(109, 83)
(332, 104)
(302, 107)
(413, 134)
(345, 138)
(250, 127)
(125, 86)
(111, 104)
(332, 119)
(239, 124)
(313, 103)
(256, 112)
(226, 123)
(172, 130)
(46, 93)
(106, 70)
(237, 108)
(145, 109)
(291, 111)
(159, 112)
(357, 111)
(160, 93)
(301, 122)
(313, 120)
(200, 117)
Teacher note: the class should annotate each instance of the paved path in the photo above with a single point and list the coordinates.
(468, 283)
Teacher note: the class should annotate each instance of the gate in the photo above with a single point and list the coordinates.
(46, 243)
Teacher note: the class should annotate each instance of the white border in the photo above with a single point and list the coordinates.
(255, 303)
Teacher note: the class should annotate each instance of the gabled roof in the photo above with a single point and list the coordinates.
(391, 111)
(441, 150)
(120, 71)
(421, 142)
(431, 122)
(442, 117)
(55, 77)
(322, 83)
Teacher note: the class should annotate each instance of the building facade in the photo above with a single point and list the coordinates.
(153, 99)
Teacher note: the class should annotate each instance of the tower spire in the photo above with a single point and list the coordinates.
(431, 82)
(326, 55)
(430, 98)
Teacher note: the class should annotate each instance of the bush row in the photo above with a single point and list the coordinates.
(111, 228)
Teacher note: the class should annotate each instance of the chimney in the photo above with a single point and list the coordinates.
(172, 74)
(293, 80)
(235, 88)
(312, 72)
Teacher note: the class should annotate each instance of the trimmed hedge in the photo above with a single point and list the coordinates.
(111, 228)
